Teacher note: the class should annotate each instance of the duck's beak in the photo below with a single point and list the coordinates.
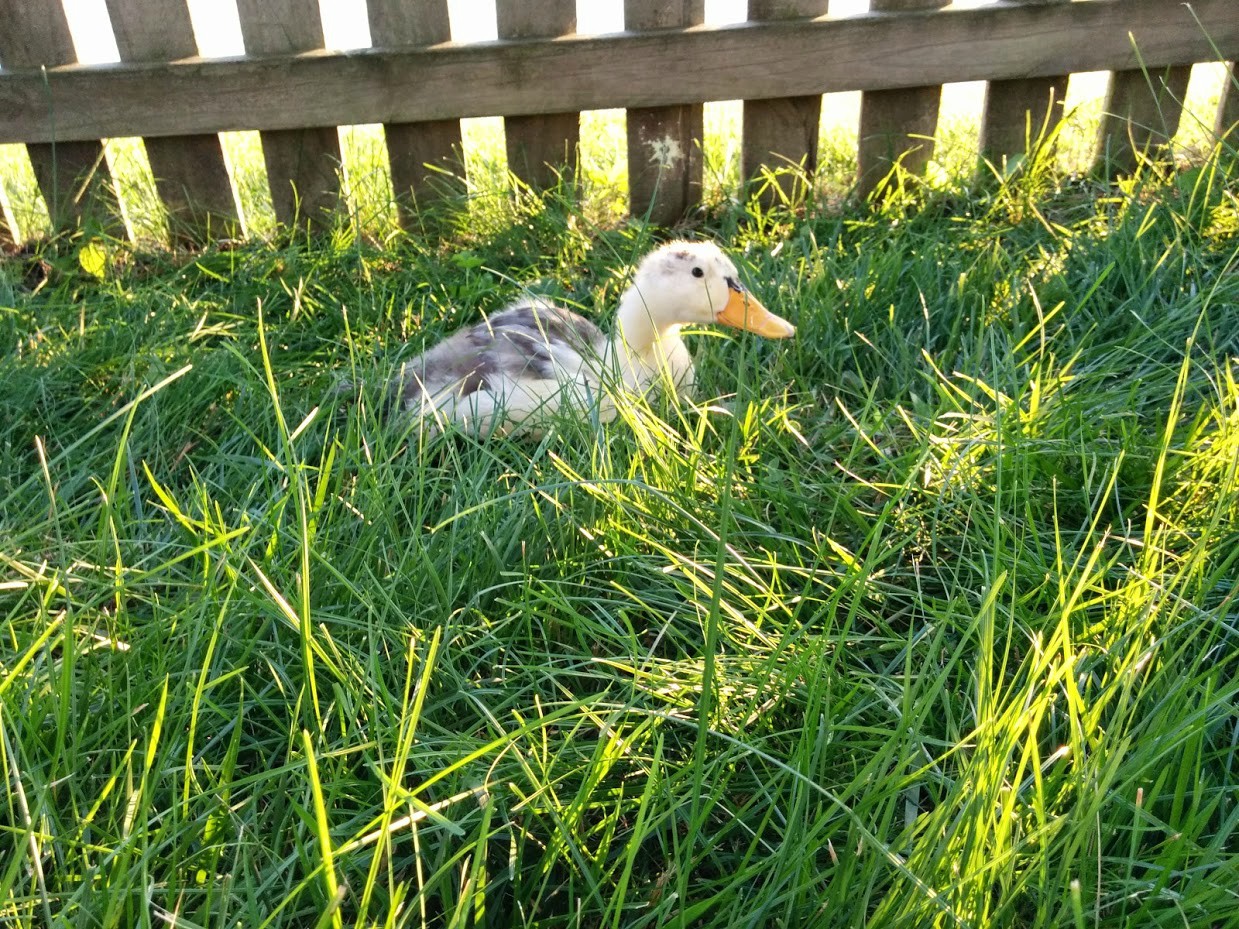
(744, 311)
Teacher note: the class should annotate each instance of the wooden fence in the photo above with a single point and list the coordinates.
(540, 75)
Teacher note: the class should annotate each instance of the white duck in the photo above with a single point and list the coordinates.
(532, 357)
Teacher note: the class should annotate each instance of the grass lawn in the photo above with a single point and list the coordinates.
(928, 619)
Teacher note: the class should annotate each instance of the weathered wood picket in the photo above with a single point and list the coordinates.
(72, 174)
(1019, 111)
(425, 156)
(897, 125)
(539, 143)
(189, 171)
(540, 75)
(303, 164)
(783, 131)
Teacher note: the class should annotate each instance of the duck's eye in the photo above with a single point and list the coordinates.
(697, 272)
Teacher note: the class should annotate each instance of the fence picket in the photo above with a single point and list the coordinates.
(897, 125)
(303, 165)
(1228, 106)
(1020, 111)
(539, 145)
(73, 176)
(190, 174)
(412, 147)
(1141, 114)
(10, 235)
(781, 132)
(664, 143)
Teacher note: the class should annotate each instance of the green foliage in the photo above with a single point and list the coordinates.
(925, 618)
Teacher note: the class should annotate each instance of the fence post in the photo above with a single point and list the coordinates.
(73, 176)
(897, 126)
(190, 174)
(781, 133)
(1141, 115)
(303, 165)
(538, 144)
(412, 147)
(664, 143)
(1020, 112)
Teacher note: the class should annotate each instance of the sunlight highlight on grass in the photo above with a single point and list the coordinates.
(926, 617)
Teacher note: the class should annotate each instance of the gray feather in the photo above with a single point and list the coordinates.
(517, 342)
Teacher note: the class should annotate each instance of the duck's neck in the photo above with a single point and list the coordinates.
(647, 350)
(636, 329)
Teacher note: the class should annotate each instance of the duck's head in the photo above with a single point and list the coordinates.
(692, 283)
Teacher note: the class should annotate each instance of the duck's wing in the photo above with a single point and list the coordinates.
(531, 340)
(537, 340)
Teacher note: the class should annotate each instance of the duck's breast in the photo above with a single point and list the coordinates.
(667, 364)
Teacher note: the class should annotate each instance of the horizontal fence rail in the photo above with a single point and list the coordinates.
(419, 86)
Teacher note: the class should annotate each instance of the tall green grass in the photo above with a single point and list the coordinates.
(925, 618)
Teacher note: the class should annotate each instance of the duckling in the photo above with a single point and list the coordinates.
(513, 370)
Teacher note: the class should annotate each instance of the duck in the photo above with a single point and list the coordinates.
(513, 371)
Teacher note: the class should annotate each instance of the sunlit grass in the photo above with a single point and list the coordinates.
(926, 617)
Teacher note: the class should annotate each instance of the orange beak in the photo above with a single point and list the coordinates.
(744, 311)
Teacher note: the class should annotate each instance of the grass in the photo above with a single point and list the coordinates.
(928, 620)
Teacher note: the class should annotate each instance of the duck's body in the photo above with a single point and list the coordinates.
(533, 357)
